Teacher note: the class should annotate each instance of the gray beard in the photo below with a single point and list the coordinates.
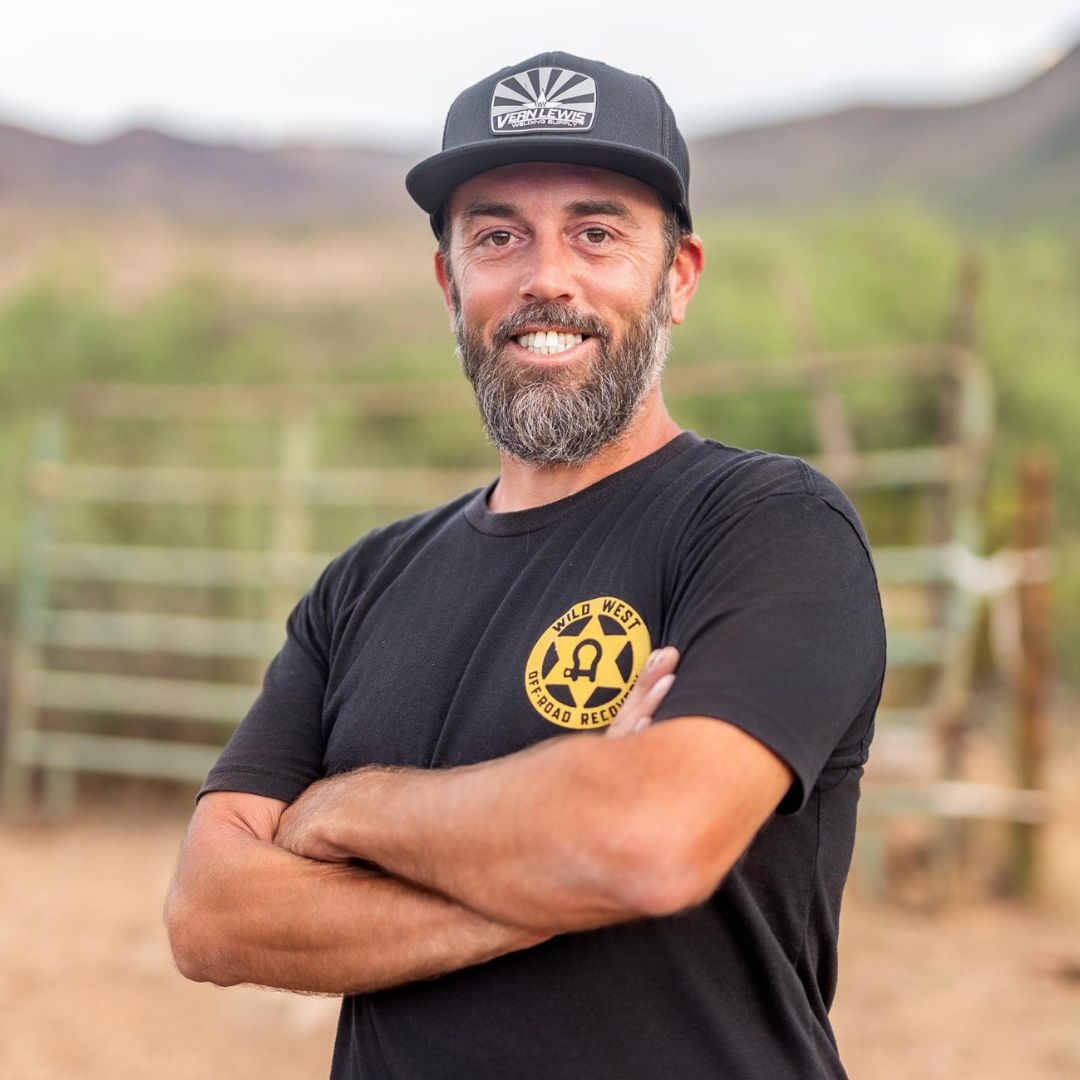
(550, 416)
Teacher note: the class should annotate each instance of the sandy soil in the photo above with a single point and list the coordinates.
(963, 988)
(87, 987)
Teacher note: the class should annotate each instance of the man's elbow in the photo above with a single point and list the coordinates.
(660, 884)
(190, 939)
(658, 872)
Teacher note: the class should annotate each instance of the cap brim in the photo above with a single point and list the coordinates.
(432, 180)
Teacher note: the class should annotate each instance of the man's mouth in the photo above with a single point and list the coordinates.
(549, 342)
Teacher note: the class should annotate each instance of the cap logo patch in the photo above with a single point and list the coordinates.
(543, 99)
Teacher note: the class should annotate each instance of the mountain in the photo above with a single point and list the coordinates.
(1016, 155)
(143, 170)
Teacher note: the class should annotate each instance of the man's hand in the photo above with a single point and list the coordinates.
(300, 828)
(636, 712)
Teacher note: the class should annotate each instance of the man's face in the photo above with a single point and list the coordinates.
(543, 249)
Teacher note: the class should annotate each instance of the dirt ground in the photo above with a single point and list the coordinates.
(88, 990)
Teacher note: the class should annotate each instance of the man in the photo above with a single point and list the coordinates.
(464, 799)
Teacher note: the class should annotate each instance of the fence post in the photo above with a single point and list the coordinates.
(32, 597)
(1035, 477)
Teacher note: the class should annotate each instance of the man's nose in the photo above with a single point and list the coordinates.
(548, 274)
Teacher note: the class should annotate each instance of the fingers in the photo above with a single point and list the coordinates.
(660, 663)
(653, 682)
(638, 717)
(651, 702)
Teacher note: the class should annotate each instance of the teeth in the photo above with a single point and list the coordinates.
(547, 343)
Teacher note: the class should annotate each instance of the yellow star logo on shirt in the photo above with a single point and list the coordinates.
(584, 664)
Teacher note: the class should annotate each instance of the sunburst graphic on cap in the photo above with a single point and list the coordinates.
(543, 99)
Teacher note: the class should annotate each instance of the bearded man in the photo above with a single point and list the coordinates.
(559, 779)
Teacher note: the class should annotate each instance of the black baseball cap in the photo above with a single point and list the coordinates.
(557, 107)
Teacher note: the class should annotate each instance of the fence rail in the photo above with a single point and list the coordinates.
(79, 595)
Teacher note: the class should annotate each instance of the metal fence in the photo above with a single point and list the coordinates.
(137, 650)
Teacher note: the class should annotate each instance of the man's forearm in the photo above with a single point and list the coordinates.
(557, 837)
(242, 910)
(545, 837)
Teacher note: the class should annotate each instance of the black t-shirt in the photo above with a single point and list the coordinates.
(460, 635)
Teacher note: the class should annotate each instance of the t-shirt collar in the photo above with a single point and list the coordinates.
(517, 522)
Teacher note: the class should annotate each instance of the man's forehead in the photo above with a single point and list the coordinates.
(526, 186)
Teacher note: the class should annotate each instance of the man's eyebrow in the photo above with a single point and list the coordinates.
(579, 208)
(489, 209)
(601, 208)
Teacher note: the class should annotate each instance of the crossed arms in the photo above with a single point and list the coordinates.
(472, 862)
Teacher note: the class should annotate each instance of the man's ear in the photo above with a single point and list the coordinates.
(443, 278)
(683, 276)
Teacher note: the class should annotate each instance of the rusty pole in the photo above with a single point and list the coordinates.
(1033, 527)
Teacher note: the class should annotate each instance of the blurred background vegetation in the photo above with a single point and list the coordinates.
(882, 273)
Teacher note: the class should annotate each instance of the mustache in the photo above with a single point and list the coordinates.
(551, 313)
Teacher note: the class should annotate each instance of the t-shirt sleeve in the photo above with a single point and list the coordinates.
(777, 616)
(277, 750)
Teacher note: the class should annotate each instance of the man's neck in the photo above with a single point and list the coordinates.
(523, 486)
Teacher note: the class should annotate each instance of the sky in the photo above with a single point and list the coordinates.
(259, 71)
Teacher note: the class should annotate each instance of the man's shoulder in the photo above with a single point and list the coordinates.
(727, 481)
(756, 473)
(731, 478)
(374, 547)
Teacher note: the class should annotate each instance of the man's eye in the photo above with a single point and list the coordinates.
(499, 239)
(596, 236)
